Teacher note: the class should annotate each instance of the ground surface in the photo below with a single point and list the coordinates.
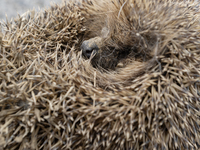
(12, 7)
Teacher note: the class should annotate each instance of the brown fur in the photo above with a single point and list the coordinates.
(135, 33)
(53, 98)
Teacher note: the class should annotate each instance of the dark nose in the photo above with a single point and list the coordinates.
(89, 48)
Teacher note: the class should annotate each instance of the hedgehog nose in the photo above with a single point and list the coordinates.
(88, 48)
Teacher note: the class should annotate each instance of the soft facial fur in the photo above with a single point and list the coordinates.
(130, 33)
(123, 39)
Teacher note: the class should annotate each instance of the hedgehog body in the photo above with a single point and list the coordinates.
(53, 98)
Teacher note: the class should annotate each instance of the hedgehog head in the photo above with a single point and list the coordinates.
(113, 39)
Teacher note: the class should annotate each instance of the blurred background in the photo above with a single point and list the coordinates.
(14, 7)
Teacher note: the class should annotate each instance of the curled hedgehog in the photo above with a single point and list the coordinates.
(110, 74)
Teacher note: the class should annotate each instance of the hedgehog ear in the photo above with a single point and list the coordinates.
(104, 32)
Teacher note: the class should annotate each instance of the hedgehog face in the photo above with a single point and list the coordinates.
(101, 55)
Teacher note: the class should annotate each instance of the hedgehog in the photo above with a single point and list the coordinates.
(110, 74)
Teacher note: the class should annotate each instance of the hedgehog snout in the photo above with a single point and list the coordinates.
(90, 47)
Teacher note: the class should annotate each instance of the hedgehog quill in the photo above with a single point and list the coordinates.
(109, 74)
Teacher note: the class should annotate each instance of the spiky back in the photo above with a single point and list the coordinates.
(51, 98)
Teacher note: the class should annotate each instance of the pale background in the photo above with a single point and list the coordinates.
(12, 7)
